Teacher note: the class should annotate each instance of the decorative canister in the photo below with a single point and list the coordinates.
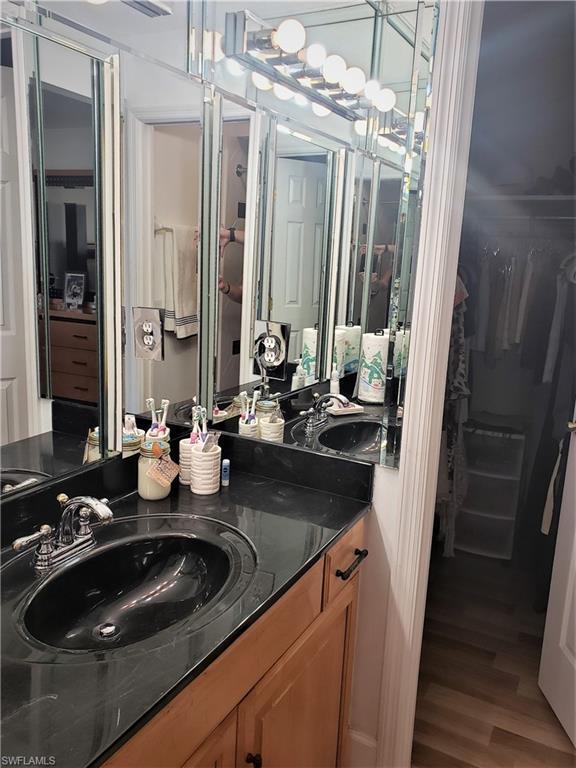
(150, 452)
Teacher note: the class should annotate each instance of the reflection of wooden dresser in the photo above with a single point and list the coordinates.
(74, 355)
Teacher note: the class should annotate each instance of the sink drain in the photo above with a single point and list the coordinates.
(106, 631)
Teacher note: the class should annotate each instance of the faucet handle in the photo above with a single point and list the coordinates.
(42, 537)
(62, 499)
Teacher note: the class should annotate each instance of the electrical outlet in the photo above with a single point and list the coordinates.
(148, 335)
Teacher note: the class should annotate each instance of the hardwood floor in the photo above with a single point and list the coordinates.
(478, 700)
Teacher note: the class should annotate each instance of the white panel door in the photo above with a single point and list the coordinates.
(13, 380)
(557, 676)
(297, 246)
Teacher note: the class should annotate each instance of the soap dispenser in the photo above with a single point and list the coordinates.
(299, 378)
(334, 381)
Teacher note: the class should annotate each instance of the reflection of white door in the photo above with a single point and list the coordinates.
(13, 380)
(297, 246)
(558, 663)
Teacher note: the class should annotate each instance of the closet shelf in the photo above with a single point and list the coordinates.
(494, 474)
(488, 515)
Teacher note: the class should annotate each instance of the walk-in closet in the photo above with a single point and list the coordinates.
(509, 405)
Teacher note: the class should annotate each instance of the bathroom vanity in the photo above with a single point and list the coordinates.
(257, 671)
(279, 694)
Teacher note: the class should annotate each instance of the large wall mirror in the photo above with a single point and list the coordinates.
(262, 188)
(54, 258)
(162, 143)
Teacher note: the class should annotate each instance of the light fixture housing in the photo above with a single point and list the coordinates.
(150, 8)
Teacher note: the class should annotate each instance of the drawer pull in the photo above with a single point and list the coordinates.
(79, 362)
(360, 555)
(256, 760)
(79, 336)
(82, 389)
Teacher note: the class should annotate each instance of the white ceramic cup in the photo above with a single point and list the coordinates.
(248, 430)
(273, 431)
(205, 470)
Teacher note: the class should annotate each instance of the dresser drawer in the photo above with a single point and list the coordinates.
(73, 335)
(83, 362)
(75, 387)
(342, 562)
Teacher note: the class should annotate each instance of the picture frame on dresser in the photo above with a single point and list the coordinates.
(74, 289)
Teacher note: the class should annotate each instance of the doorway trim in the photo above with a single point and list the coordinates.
(454, 81)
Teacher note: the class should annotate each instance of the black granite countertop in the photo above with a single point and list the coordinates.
(77, 707)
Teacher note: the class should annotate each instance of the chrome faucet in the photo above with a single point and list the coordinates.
(53, 549)
(316, 415)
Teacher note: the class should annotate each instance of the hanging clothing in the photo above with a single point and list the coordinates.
(455, 415)
(539, 319)
(523, 301)
(482, 307)
(556, 328)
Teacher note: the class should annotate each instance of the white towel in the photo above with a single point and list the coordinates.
(177, 253)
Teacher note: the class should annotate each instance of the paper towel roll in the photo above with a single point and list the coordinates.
(352, 352)
(372, 371)
(339, 351)
(309, 342)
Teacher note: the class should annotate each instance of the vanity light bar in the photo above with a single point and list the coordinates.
(149, 7)
(236, 46)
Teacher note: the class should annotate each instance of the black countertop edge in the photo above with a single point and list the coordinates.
(224, 644)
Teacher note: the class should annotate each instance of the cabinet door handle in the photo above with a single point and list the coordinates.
(79, 362)
(256, 760)
(360, 555)
(81, 389)
(79, 336)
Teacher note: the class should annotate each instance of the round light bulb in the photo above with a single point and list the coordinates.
(354, 80)
(393, 146)
(261, 82)
(383, 141)
(384, 100)
(315, 55)
(401, 149)
(334, 68)
(320, 110)
(300, 99)
(290, 36)
(361, 127)
(281, 92)
(234, 67)
(371, 88)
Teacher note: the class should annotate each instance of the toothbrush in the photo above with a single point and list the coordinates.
(243, 406)
(164, 404)
(204, 415)
(252, 416)
(151, 405)
(195, 434)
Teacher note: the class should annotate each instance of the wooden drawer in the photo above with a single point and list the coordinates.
(73, 335)
(339, 558)
(76, 361)
(178, 730)
(75, 387)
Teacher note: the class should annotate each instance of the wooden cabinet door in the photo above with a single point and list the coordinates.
(219, 749)
(291, 719)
